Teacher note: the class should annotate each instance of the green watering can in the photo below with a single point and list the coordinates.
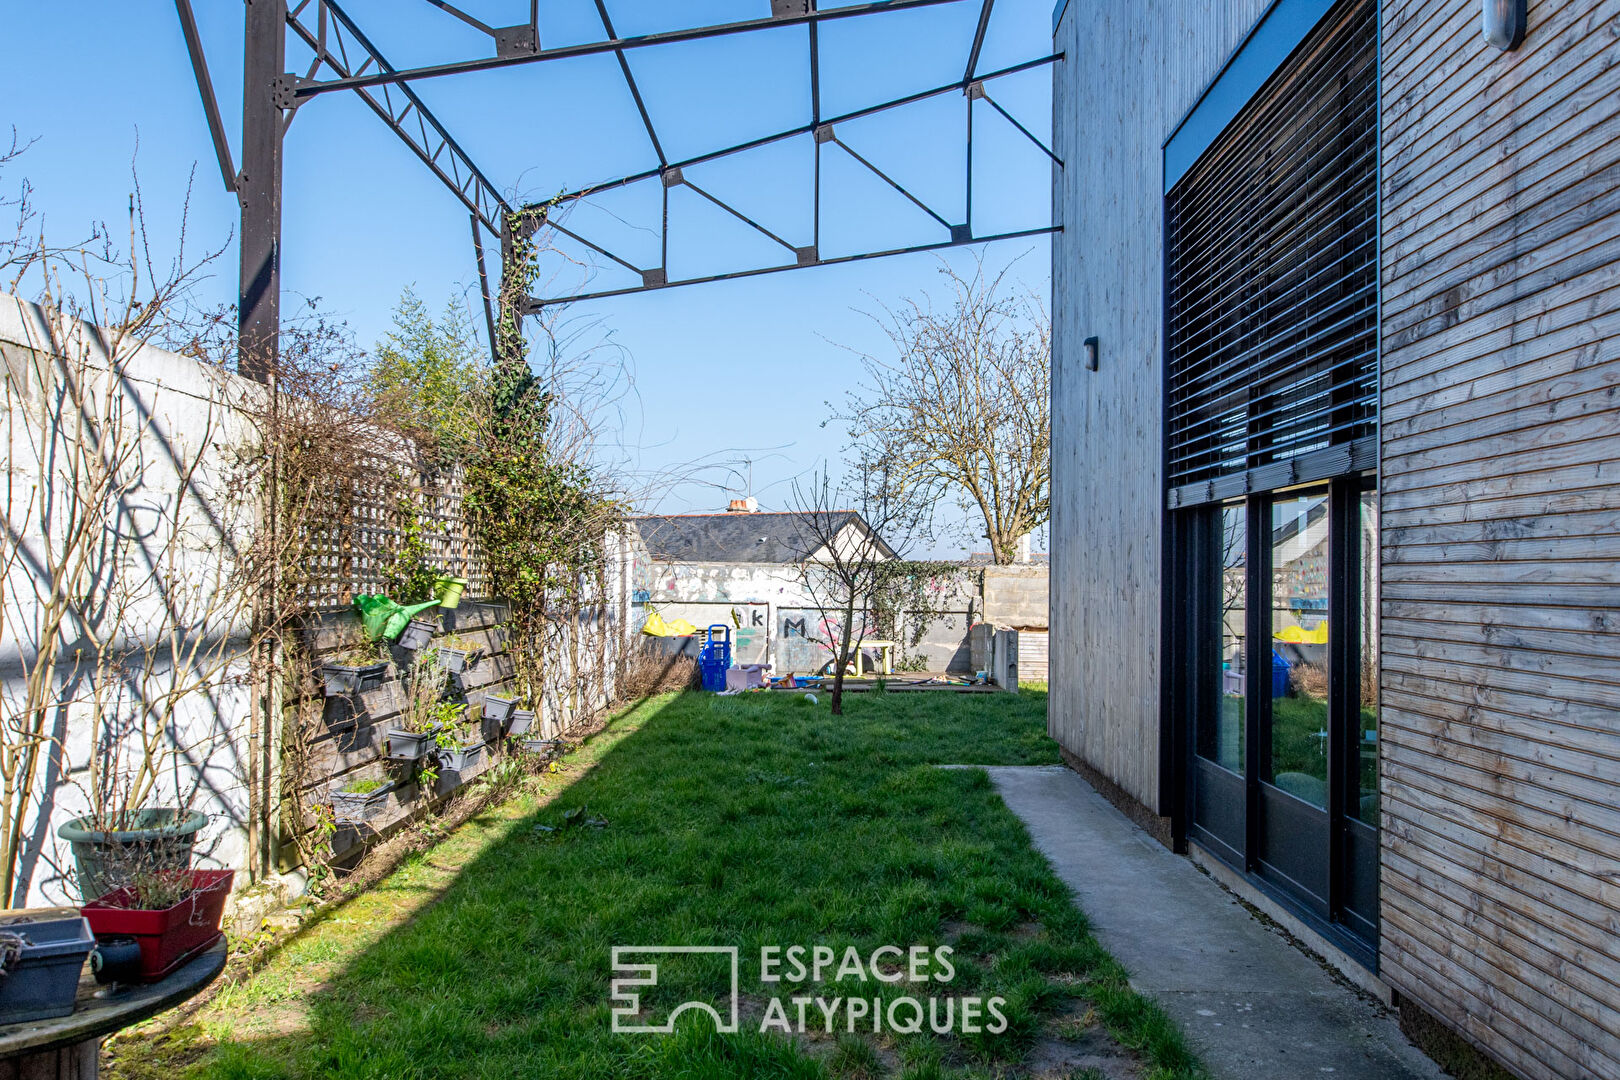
(449, 590)
(383, 618)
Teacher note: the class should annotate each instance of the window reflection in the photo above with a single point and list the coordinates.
(1299, 652)
(1365, 806)
(1222, 741)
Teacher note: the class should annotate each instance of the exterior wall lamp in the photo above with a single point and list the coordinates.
(1091, 353)
(1502, 22)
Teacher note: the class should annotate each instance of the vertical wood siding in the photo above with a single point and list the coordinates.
(1501, 529)
(1131, 71)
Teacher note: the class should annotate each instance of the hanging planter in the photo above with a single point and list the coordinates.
(522, 721)
(458, 661)
(497, 709)
(39, 973)
(156, 839)
(167, 935)
(460, 759)
(360, 801)
(340, 679)
(449, 590)
(543, 747)
(417, 634)
(402, 745)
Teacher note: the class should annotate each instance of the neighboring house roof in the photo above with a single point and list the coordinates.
(743, 538)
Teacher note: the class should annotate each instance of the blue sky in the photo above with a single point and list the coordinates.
(721, 372)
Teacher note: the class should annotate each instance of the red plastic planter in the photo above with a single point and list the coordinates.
(170, 937)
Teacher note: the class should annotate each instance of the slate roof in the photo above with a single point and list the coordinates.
(735, 537)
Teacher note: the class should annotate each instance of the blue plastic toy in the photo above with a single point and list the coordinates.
(715, 656)
(1280, 667)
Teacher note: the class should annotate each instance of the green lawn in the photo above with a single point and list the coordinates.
(748, 821)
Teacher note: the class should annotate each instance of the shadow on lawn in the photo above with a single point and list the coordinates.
(750, 821)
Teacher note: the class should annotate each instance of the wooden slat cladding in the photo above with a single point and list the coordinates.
(1271, 285)
(1500, 232)
(1131, 72)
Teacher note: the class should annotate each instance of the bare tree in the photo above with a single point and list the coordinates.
(850, 530)
(964, 406)
(109, 615)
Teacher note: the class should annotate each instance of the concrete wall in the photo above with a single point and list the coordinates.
(744, 596)
(775, 619)
(1016, 596)
(1131, 70)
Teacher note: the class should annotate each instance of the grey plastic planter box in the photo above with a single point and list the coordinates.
(343, 679)
(497, 709)
(46, 978)
(541, 746)
(417, 634)
(351, 808)
(464, 757)
(401, 745)
(457, 661)
(522, 721)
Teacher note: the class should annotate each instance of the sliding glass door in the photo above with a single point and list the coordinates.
(1283, 769)
(1271, 446)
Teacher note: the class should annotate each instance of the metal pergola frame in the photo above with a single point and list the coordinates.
(346, 59)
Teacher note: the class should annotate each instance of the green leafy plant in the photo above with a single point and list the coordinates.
(425, 373)
(363, 787)
(356, 650)
(410, 574)
(156, 890)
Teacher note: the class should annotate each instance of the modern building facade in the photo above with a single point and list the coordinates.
(1336, 434)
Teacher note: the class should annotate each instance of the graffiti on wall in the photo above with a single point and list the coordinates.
(807, 638)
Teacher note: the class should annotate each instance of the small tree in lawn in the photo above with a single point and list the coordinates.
(849, 530)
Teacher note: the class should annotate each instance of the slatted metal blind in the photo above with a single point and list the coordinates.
(1273, 276)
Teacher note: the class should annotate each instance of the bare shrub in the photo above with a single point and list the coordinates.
(648, 671)
(1309, 680)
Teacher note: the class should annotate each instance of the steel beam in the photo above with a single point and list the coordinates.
(825, 134)
(402, 110)
(802, 129)
(205, 89)
(259, 189)
(307, 90)
(536, 303)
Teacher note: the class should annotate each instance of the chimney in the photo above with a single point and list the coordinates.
(749, 505)
(1023, 549)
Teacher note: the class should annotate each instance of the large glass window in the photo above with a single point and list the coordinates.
(1222, 741)
(1365, 804)
(1299, 646)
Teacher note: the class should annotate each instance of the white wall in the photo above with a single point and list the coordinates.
(164, 539)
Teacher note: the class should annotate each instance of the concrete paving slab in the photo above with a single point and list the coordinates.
(1252, 1003)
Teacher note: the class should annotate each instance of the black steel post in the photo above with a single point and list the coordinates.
(258, 324)
(263, 87)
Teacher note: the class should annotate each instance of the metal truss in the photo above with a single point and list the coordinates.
(344, 58)
(672, 174)
(342, 48)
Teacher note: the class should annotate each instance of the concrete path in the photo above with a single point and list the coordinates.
(1253, 1005)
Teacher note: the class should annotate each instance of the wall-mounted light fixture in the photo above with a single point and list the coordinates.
(1503, 22)
(1091, 354)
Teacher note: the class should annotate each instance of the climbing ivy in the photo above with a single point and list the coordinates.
(919, 587)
